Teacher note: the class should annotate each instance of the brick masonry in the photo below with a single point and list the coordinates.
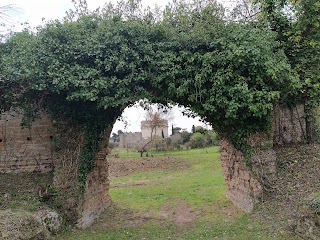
(25, 150)
(55, 147)
(245, 186)
(96, 197)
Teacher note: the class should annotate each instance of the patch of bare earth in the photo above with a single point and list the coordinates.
(180, 215)
(123, 167)
(115, 217)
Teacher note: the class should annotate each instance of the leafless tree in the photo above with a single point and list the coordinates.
(155, 118)
(245, 11)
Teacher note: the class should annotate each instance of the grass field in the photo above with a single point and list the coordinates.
(185, 203)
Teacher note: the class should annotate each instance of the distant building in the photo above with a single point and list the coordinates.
(138, 139)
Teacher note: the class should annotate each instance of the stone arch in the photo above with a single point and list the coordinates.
(85, 82)
(18, 154)
(33, 150)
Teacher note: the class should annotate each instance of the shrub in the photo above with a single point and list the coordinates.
(198, 140)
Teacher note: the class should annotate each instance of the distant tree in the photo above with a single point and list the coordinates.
(176, 130)
(212, 137)
(200, 129)
(155, 120)
(185, 137)
(115, 137)
(198, 140)
(193, 130)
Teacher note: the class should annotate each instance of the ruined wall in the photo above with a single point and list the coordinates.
(96, 197)
(25, 150)
(289, 125)
(56, 148)
(245, 185)
(131, 140)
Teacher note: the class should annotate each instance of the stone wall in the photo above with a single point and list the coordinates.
(56, 148)
(96, 197)
(131, 140)
(25, 150)
(289, 125)
(245, 186)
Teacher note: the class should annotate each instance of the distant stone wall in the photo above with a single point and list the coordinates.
(25, 150)
(289, 125)
(131, 140)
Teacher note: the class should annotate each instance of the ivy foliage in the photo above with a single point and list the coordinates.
(297, 26)
(90, 66)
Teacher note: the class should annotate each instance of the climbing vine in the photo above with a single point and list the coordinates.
(296, 24)
(91, 146)
(91, 65)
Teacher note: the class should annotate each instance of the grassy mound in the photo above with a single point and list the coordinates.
(22, 225)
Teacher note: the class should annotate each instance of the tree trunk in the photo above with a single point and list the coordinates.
(310, 124)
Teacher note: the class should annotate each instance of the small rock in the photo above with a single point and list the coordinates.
(7, 197)
(50, 220)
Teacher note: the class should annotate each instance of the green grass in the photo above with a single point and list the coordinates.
(201, 187)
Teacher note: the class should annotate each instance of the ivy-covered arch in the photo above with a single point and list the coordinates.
(86, 70)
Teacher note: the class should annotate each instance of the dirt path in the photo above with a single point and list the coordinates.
(116, 217)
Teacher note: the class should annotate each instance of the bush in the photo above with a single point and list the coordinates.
(198, 140)
(185, 137)
(212, 138)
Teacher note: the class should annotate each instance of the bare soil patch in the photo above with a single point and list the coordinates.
(123, 167)
(116, 217)
(181, 215)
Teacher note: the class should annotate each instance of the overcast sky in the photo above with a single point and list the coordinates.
(34, 11)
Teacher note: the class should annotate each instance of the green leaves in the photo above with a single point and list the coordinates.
(230, 74)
